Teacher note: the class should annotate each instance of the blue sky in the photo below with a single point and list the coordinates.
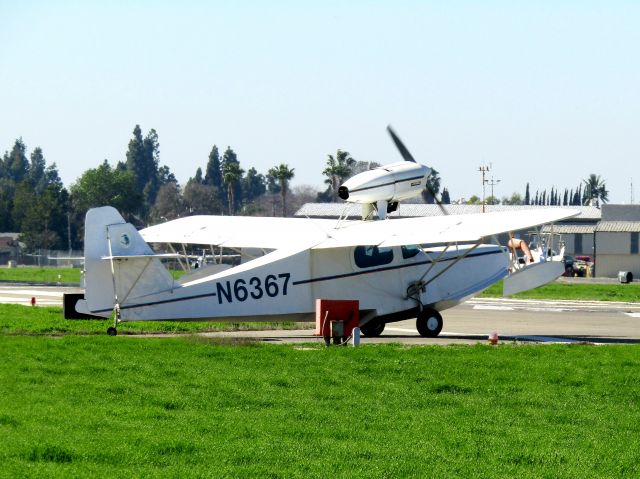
(545, 92)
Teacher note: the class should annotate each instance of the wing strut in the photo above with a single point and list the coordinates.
(414, 289)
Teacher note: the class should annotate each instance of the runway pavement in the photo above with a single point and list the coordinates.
(44, 295)
(543, 321)
(596, 322)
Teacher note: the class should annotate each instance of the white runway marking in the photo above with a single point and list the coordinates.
(33, 292)
(45, 295)
(633, 315)
(545, 339)
(405, 330)
(550, 310)
(23, 300)
(557, 306)
(400, 330)
(493, 308)
(12, 299)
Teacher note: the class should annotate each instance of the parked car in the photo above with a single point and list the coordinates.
(582, 266)
(568, 265)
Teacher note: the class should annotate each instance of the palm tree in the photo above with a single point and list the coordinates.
(595, 190)
(338, 169)
(283, 174)
(231, 174)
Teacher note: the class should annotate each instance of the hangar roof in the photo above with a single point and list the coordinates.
(567, 229)
(618, 227)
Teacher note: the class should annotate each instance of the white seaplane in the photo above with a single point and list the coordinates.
(396, 268)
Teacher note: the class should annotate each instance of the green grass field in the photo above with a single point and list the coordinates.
(28, 274)
(33, 321)
(130, 407)
(41, 275)
(77, 403)
(578, 291)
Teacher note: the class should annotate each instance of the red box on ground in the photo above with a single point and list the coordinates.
(328, 310)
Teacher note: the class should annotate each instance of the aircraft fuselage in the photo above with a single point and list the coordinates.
(284, 285)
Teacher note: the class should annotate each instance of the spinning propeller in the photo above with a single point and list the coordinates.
(385, 186)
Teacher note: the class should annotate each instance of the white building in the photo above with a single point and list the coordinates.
(616, 241)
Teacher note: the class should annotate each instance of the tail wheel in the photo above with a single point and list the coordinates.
(372, 329)
(429, 323)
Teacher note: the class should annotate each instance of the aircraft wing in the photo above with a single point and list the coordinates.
(276, 233)
(241, 231)
(437, 230)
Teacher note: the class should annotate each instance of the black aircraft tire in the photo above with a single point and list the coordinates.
(111, 331)
(429, 323)
(372, 329)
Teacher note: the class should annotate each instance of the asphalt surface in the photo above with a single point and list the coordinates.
(472, 322)
(15, 293)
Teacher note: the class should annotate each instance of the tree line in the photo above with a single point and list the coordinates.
(33, 200)
(35, 203)
(591, 191)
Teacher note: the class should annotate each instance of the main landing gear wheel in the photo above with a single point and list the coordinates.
(429, 323)
(111, 331)
(372, 329)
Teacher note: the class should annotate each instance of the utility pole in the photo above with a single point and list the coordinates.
(492, 183)
(484, 169)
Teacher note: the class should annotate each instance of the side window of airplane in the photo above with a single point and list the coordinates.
(409, 251)
(369, 256)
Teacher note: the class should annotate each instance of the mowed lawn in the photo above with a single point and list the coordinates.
(26, 320)
(85, 406)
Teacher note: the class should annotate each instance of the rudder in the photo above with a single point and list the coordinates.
(119, 266)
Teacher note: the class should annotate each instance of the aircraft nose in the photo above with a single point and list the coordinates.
(343, 192)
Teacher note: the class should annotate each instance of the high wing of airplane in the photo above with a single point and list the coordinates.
(274, 233)
(395, 268)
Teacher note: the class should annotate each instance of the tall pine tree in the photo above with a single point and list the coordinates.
(143, 156)
(16, 164)
(36, 170)
(213, 172)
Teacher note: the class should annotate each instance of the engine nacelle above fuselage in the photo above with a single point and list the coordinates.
(392, 182)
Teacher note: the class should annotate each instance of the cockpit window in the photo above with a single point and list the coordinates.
(409, 251)
(369, 256)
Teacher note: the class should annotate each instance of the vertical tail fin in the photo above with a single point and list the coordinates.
(119, 266)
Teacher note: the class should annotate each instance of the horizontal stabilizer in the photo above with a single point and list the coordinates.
(133, 256)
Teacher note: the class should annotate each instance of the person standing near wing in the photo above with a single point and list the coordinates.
(520, 244)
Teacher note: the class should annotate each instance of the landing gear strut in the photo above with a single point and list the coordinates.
(429, 323)
(111, 330)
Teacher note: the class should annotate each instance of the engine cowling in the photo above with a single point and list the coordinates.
(390, 183)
